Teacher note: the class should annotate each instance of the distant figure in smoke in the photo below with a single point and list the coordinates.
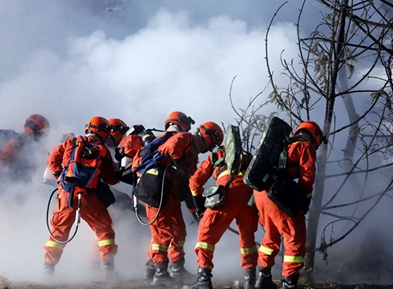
(92, 209)
(300, 165)
(17, 159)
(216, 221)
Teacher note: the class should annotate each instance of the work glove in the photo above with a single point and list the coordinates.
(57, 176)
(181, 166)
(200, 205)
(119, 153)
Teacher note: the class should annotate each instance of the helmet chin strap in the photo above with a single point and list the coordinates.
(307, 137)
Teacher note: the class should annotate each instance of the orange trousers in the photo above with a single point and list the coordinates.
(93, 212)
(277, 224)
(215, 222)
(168, 232)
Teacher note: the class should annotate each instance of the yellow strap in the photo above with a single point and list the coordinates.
(293, 259)
(158, 247)
(246, 251)
(106, 242)
(204, 245)
(226, 172)
(265, 250)
(55, 245)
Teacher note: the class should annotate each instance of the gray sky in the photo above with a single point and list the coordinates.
(71, 60)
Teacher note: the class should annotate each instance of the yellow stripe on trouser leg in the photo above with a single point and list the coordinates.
(247, 251)
(158, 247)
(56, 245)
(203, 245)
(293, 259)
(106, 242)
(266, 250)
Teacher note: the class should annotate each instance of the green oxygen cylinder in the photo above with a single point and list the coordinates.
(267, 154)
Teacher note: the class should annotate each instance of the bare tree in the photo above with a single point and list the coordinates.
(347, 58)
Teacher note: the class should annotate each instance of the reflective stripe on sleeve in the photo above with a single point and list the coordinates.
(226, 172)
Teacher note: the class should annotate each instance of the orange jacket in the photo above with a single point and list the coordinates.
(301, 164)
(220, 174)
(60, 157)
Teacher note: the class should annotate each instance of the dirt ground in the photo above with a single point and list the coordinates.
(142, 284)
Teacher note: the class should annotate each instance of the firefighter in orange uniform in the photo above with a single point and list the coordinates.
(118, 129)
(216, 221)
(175, 122)
(183, 148)
(300, 165)
(92, 210)
(15, 159)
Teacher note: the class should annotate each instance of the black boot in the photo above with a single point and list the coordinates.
(162, 277)
(49, 269)
(249, 279)
(265, 280)
(110, 274)
(179, 272)
(203, 280)
(150, 269)
(290, 282)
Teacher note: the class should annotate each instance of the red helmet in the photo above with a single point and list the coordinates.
(118, 127)
(99, 126)
(179, 118)
(211, 133)
(314, 130)
(37, 126)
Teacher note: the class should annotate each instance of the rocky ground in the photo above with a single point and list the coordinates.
(141, 284)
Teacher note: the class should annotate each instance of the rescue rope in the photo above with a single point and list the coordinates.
(136, 203)
(77, 218)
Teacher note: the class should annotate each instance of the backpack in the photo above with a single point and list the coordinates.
(269, 156)
(216, 196)
(5, 136)
(84, 167)
(150, 155)
(151, 188)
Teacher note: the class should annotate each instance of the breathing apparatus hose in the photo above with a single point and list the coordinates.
(77, 218)
(159, 206)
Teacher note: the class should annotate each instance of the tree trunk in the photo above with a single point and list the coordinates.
(314, 214)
